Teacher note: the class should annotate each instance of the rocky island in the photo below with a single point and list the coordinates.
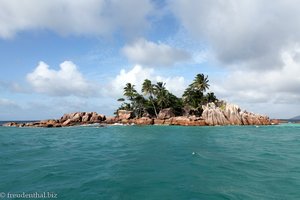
(158, 106)
(227, 114)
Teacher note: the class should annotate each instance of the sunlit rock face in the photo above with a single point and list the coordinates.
(229, 114)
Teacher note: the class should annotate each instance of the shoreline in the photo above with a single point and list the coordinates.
(144, 121)
(103, 125)
(212, 115)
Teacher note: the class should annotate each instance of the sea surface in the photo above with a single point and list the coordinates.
(151, 162)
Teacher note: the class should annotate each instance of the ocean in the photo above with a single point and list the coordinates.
(151, 162)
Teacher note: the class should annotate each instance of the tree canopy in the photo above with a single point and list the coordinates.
(155, 97)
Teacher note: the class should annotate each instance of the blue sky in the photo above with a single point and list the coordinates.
(67, 56)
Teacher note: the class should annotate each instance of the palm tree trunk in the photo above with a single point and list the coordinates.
(154, 109)
(151, 99)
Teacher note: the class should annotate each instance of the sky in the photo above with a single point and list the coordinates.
(60, 56)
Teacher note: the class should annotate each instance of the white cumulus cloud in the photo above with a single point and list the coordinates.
(152, 54)
(275, 89)
(257, 44)
(63, 82)
(138, 74)
(248, 33)
(69, 17)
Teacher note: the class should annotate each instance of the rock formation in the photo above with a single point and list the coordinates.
(124, 114)
(220, 113)
(230, 114)
(181, 121)
(71, 119)
(144, 121)
(166, 113)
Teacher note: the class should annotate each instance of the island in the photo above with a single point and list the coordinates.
(156, 105)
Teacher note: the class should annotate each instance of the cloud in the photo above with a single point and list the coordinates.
(8, 109)
(44, 107)
(148, 53)
(64, 82)
(68, 17)
(271, 88)
(138, 74)
(7, 102)
(280, 83)
(246, 34)
(13, 87)
(256, 42)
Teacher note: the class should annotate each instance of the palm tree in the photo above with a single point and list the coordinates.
(162, 95)
(163, 99)
(138, 105)
(129, 91)
(193, 95)
(210, 97)
(148, 89)
(159, 87)
(200, 83)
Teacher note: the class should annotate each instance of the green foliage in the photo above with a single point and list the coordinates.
(129, 91)
(210, 97)
(155, 97)
(138, 105)
(162, 95)
(194, 96)
(200, 83)
(176, 104)
(149, 89)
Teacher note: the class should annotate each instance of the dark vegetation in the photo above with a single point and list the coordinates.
(155, 97)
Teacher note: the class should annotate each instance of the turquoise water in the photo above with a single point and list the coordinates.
(152, 162)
